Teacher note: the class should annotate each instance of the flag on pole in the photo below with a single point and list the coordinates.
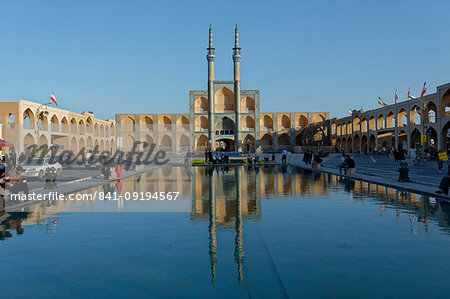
(381, 102)
(409, 92)
(424, 89)
(410, 97)
(350, 111)
(53, 98)
(396, 96)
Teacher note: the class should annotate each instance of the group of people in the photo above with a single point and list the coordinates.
(221, 158)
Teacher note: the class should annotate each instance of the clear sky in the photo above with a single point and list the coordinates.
(144, 56)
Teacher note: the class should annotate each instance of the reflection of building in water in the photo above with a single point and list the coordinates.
(224, 186)
(225, 197)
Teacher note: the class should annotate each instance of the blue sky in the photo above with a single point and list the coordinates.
(144, 56)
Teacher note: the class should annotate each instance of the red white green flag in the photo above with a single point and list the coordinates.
(381, 102)
(424, 89)
(350, 111)
(396, 96)
(53, 98)
(410, 97)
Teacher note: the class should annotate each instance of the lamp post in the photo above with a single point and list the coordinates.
(424, 115)
(37, 120)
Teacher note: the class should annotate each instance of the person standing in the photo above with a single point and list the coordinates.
(283, 157)
(119, 170)
(412, 153)
(440, 159)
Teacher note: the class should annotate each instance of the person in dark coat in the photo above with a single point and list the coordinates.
(445, 183)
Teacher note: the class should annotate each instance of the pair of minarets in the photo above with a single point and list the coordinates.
(237, 89)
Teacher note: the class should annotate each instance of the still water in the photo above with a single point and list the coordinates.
(237, 232)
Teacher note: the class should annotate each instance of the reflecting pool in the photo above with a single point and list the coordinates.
(232, 232)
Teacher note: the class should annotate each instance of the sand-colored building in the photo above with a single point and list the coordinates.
(223, 116)
(397, 125)
(26, 123)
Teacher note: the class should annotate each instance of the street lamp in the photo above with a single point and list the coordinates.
(424, 116)
(37, 119)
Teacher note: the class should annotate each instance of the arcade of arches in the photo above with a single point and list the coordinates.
(399, 125)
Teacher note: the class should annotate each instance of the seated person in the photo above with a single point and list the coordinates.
(16, 184)
(445, 184)
(2, 173)
(349, 166)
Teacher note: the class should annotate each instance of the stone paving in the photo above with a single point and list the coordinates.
(383, 166)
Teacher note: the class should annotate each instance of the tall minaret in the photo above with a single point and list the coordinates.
(237, 88)
(210, 56)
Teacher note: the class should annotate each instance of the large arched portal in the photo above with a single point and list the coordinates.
(225, 144)
(224, 99)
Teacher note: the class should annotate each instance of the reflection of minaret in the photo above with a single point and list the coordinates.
(210, 56)
(238, 249)
(237, 88)
(212, 228)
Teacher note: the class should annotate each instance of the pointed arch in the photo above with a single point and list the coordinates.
(381, 124)
(247, 105)
(28, 119)
(267, 142)
(202, 143)
(285, 123)
(247, 123)
(28, 140)
(284, 142)
(302, 122)
(183, 143)
(54, 123)
(166, 143)
(390, 121)
(402, 118)
(201, 124)
(267, 123)
(183, 124)
(64, 125)
(224, 99)
(201, 105)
